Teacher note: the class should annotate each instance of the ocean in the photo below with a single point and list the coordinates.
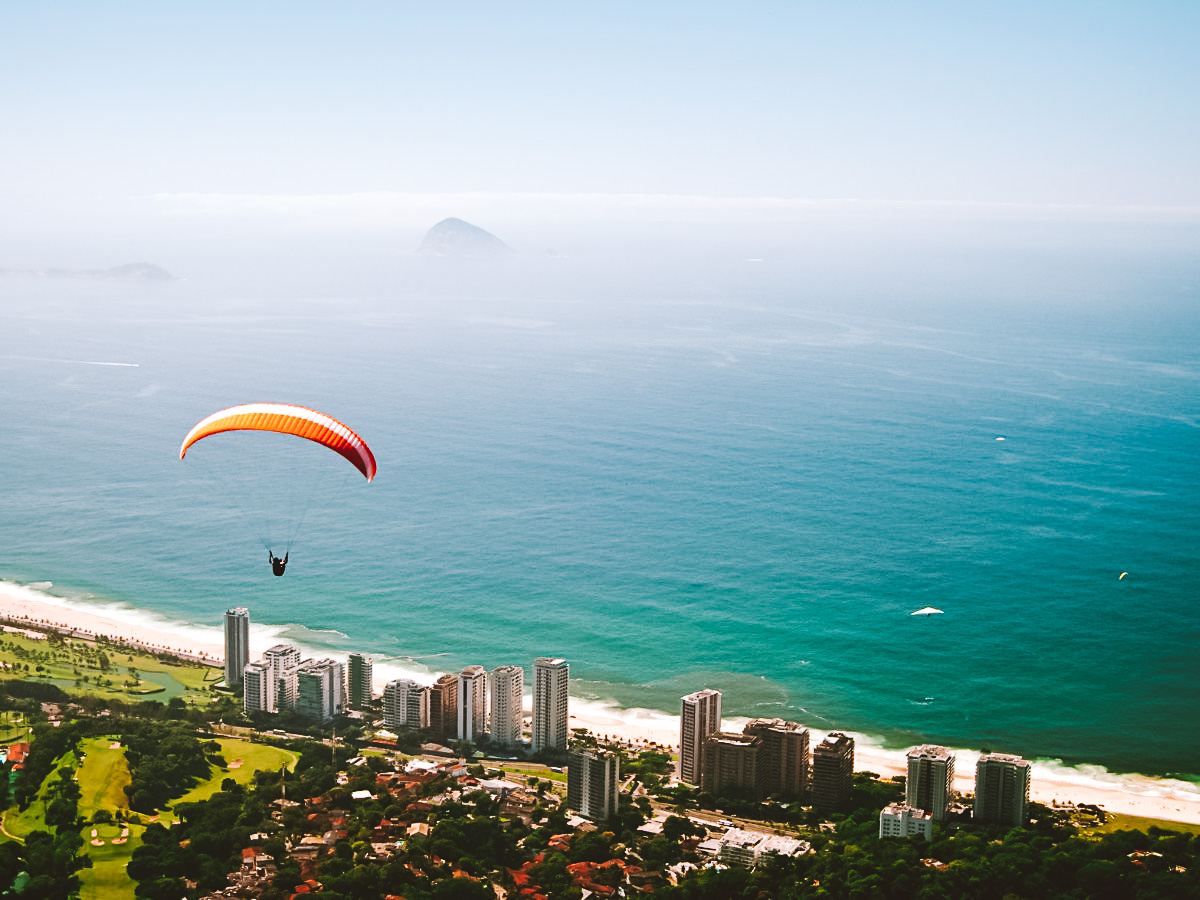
(740, 479)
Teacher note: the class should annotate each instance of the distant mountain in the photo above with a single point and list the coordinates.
(127, 272)
(454, 237)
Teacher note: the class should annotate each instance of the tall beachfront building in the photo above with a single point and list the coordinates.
(783, 758)
(320, 689)
(283, 659)
(507, 693)
(732, 762)
(700, 717)
(930, 780)
(359, 681)
(258, 688)
(405, 705)
(1001, 789)
(237, 644)
(443, 708)
(593, 782)
(832, 771)
(472, 703)
(550, 718)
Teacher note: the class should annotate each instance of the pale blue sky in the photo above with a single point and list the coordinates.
(1092, 103)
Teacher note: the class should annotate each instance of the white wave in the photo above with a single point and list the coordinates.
(656, 725)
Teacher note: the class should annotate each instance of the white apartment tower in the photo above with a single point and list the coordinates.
(359, 679)
(258, 688)
(1001, 789)
(550, 716)
(930, 780)
(472, 703)
(320, 689)
(237, 644)
(405, 705)
(283, 659)
(508, 689)
(700, 718)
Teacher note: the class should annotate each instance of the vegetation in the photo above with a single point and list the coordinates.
(133, 798)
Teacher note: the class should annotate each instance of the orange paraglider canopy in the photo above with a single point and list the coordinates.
(283, 418)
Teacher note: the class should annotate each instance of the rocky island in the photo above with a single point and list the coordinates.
(456, 238)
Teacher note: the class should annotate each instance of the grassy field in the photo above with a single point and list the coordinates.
(102, 777)
(1119, 822)
(13, 726)
(78, 666)
(242, 760)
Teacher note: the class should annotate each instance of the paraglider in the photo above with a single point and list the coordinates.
(282, 418)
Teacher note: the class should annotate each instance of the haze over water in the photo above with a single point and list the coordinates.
(730, 467)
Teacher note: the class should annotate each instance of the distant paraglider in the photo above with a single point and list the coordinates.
(282, 418)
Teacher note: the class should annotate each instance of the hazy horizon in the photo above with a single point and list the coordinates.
(178, 133)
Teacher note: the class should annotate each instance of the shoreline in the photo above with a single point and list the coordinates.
(1137, 795)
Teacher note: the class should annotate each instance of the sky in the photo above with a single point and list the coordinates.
(378, 111)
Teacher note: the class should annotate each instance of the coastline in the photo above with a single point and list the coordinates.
(1154, 798)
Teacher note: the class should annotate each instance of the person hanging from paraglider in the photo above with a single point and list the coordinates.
(284, 418)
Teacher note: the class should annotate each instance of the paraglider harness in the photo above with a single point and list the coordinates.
(278, 565)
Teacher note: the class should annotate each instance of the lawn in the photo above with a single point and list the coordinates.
(102, 777)
(13, 726)
(242, 760)
(1121, 822)
(70, 662)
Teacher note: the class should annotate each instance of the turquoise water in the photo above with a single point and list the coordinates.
(730, 482)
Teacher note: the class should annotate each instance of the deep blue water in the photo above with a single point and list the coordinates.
(730, 484)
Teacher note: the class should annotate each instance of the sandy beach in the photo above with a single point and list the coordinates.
(1139, 796)
(20, 604)
(1148, 797)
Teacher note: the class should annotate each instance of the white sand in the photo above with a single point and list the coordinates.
(29, 605)
(1149, 797)
(1152, 798)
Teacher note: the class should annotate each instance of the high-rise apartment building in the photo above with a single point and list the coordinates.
(700, 717)
(443, 708)
(237, 644)
(282, 656)
(320, 689)
(930, 782)
(405, 705)
(550, 716)
(1001, 789)
(783, 757)
(472, 703)
(258, 688)
(359, 681)
(732, 763)
(507, 696)
(283, 660)
(593, 782)
(832, 771)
